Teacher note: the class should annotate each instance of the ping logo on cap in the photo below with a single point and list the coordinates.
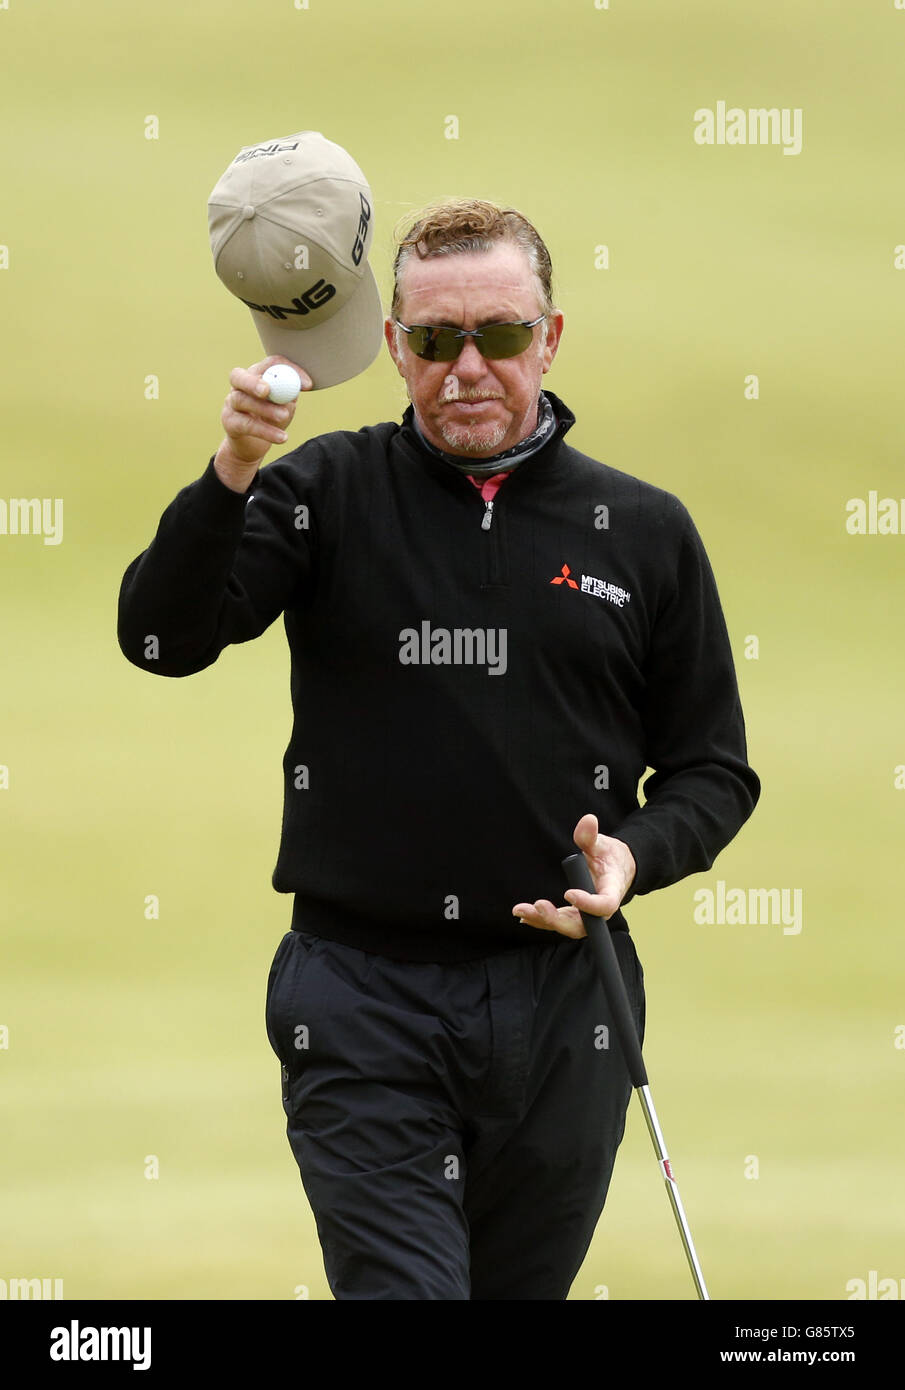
(275, 147)
(318, 294)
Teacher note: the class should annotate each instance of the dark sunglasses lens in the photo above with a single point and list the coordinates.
(435, 344)
(504, 340)
(445, 344)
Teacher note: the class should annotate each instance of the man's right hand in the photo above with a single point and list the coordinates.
(252, 422)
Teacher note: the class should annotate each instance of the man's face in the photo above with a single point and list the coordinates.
(472, 406)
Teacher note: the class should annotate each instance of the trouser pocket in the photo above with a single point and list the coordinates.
(284, 1004)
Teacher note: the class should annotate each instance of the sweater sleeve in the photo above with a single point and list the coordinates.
(701, 789)
(221, 567)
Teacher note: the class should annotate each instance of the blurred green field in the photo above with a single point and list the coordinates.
(128, 1037)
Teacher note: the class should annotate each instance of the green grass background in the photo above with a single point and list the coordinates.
(130, 1037)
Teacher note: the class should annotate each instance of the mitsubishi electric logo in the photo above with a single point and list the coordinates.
(590, 584)
(563, 578)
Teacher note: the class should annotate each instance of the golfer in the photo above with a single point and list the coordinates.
(494, 637)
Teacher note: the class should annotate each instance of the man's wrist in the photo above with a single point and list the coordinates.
(232, 472)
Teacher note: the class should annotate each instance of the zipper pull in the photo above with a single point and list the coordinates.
(487, 518)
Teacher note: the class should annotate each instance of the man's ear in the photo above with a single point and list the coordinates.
(551, 342)
(389, 333)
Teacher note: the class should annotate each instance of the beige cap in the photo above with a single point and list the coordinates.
(291, 223)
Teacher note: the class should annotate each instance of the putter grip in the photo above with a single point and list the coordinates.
(601, 943)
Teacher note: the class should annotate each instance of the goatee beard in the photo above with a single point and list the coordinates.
(473, 441)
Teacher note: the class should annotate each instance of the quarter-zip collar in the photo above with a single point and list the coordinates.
(546, 463)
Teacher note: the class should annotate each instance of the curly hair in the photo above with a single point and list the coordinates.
(471, 224)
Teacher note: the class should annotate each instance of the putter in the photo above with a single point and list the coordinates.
(601, 942)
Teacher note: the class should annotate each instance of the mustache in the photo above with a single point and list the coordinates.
(453, 392)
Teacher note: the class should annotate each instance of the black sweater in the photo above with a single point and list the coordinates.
(462, 692)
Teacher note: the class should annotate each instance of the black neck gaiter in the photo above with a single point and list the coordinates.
(509, 458)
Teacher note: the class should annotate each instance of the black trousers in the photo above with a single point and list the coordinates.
(455, 1125)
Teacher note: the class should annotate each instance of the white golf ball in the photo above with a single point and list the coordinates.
(285, 384)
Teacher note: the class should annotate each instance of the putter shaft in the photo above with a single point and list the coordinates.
(672, 1187)
(604, 953)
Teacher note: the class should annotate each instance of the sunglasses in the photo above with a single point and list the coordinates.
(493, 342)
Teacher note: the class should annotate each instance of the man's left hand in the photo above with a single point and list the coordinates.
(612, 867)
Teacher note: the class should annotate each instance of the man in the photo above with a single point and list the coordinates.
(493, 636)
